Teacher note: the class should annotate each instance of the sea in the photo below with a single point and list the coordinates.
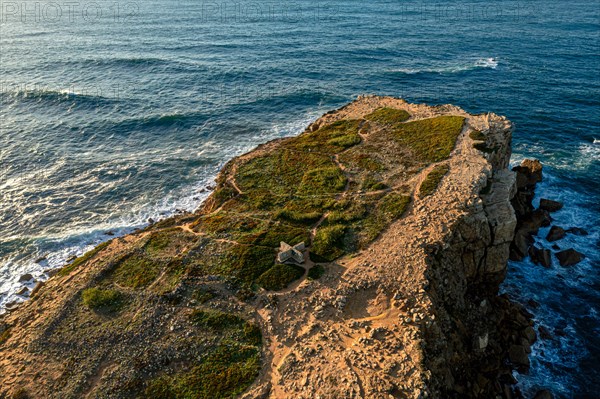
(117, 113)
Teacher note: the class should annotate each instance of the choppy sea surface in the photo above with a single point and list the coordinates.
(112, 113)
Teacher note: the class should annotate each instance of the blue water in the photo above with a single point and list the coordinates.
(115, 112)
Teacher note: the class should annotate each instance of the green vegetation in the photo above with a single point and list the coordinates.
(215, 319)
(322, 181)
(279, 277)
(431, 140)
(65, 271)
(388, 116)
(394, 205)
(477, 135)
(328, 243)
(330, 139)
(225, 371)
(316, 272)
(372, 184)
(136, 271)
(484, 148)
(203, 295)
(223, 374)
(102, 299)
(5, 335)
(433, 179)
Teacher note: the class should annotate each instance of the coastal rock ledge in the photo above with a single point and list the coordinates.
(405, 211)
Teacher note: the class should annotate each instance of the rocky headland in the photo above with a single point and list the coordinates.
(407, 213)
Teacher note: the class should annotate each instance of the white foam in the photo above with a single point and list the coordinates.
(480, 63)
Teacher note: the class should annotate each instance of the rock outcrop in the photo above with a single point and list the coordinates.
(399, 300)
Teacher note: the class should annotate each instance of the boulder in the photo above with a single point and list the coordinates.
(550, 205)
(518, 356)
(569, 257)
(556, 233)
(577, 231)
(25, 277)
(543, 394)
(540, 256)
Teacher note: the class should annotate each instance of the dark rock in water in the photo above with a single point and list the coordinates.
(109, 233)
(556, 233)
(532, 303)
(543, 394)
(550, 205)
(529, 334)
(71, 258)
(22, 291)
(150, 221)
(544, 333)
(518, 356)
(569, 257)
(538, 218)
(540, 256)
(577, 231)
(25, 277)
(40, 259)
(556, 247)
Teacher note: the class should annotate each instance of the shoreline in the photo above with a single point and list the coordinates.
(493, 184)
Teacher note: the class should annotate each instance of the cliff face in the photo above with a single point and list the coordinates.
(406, 213)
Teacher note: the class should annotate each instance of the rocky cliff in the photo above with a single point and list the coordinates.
(406, 215)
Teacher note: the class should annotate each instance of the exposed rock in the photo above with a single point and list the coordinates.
(550, 205)
(556, 233)
(540, 256)
(528, 173)
(577, 231)
(544, 394)
(25, 277)
(518, 356)
(569, 257)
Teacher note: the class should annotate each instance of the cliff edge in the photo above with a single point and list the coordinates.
(405, 214)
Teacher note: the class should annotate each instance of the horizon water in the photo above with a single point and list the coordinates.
(115, 113)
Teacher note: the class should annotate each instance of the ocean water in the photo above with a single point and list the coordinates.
(115, 112)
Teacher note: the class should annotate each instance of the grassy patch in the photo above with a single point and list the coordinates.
(224, 374)
(330, 139)
(215, 319)
(279, 277)
(203, 295)
(328, 243)
(316, 272)
(370, 183)
(394, 205)
(388, 116)
(65, 271)
(136, 271)
(484, 148)
(322, 181)
(432, 180)
(102, 299)
(477, 135)
(5, 335)
(431, 140)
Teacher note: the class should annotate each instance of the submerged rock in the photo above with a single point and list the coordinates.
(550, 205)
(543, 394)
(556, 233)
(569, 257)
(577, 231)
(540, 256)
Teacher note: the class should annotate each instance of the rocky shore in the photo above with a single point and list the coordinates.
(409, 214)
